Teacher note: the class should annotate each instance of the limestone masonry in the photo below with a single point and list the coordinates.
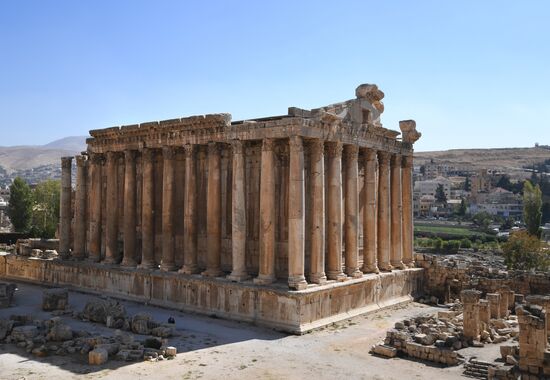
(320, 200)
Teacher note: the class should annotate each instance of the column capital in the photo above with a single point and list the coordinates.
(317, 147)
(129, 155)
(112, 155)
(66, 162)
(268, 144)
(370, 154)
(213, 147)
(169, 152)
(407, 162)
(395, 160)
(351, 152)
(384, 158)
(237, 146)
(147, 154)
(81, 160)
(295, 143)
(334, 149)
(189, 150)
(97, 158)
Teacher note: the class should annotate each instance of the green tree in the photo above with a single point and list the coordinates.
(462, 208)
(532, 207)
(523, 251)
(440, 194)
(482, 220)
(467, 184)
(20, 205)
(545, 211)
(45, 209)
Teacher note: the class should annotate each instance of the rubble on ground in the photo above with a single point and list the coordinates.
(7, 291)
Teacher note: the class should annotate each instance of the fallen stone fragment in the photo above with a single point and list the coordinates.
(171, 351)
(55, 299)
(98, 356)
(383, 350)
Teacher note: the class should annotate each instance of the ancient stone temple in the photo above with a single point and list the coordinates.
(291, 221)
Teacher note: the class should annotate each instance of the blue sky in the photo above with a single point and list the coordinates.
(471, 73)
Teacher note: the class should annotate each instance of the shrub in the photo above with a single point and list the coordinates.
(465, 243)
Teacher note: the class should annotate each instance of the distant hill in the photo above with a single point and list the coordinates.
(510, 160)
(23, 157)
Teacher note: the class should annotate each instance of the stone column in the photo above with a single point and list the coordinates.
(352, 212)
(296, 216)
(148, 211)
(213, 212)
(369, 213)
(190, 265)
(334, 212)
(544, 302)
(96, 186)
(238, 215)
(396, 244)
(504, 292)
(533, 342)
(317, 232)
(383, 237)
(407, 203)
(470, 300)
(65, 207)
(111, 223)
(168, 196)
(266, 273)
(81, 195)
(494, 304)
(129, 252)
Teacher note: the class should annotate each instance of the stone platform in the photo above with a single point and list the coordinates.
(272, 306)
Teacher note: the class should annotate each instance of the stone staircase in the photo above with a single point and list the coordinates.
(477, 369)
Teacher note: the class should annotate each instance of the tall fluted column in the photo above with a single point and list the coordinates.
(111, 224)
(266, 273)
(238, 215)
(406, 190)
(168, 195)
(352, 212)
(334, 212)
(129, 252)
(65, 207)
(96, 186)
(369, 213)
(296, 216)
(384, 211)
(190, 265)
(147, 211)
(81, 194)
(213, 213)
(317, 232)
(396, 252)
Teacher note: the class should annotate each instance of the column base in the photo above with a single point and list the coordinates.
(238, 277)
(213, 272)
(337, 276)
(297, 283)
(148, 265)
(109, 261)
(93, 259)
(371, 268)
(128, 263)
(189, 269)
(354, 273)
(398, 265)
(78, 256)
(385, 267)
(264, 280)
(409, 264)
(318, 278)
(168, 267)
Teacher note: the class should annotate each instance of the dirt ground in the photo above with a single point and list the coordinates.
(210, 348)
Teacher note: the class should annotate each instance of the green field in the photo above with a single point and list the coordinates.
(446, 230)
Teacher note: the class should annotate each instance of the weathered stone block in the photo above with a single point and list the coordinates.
(384, 350)
(98, 356)
(55, 299)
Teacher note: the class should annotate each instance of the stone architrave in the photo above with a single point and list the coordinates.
(129, 233)
(296, 216)
(112, 255)
(238, 214)
(213, 213)
(383, 236)
(190, 265)
(370, 213)
(396, 244)
(148, 211)
(96, 185)
(352, 212)
(65, 216)
(79, 251)
(168, 197)
(266, 273)
(317, 233)
(334, 212)
(407, 202)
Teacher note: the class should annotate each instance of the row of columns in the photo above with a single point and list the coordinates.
(387, 223)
